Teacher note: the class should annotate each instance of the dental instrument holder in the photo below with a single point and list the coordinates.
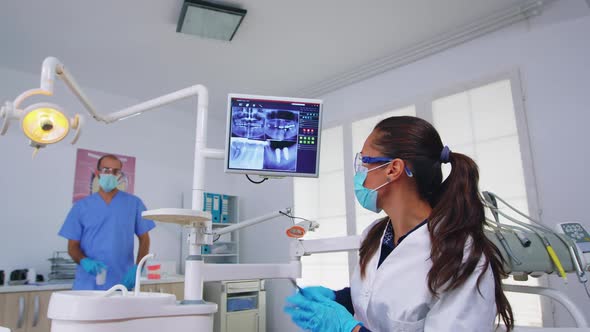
(563, 248)
(524, 240)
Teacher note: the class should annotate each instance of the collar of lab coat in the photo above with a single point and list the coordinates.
(411, 236)
(401, 238)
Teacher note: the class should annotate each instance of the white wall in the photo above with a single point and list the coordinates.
(552, 53)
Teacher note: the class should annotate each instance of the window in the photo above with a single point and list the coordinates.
(481, 123)
(360, 130)
(323, 200)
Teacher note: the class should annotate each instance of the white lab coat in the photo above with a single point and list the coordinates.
(395, 297)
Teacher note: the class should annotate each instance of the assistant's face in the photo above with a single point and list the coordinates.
(376, 177)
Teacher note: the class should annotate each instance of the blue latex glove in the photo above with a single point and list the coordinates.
(91, 266)
(314, 291)
(129, 279)
(318, 313)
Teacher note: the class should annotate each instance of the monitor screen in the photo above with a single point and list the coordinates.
(273, 136)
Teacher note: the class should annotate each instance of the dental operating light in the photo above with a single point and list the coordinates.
(45, 124)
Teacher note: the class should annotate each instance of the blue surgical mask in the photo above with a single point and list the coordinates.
(367, 198)
(108, 182)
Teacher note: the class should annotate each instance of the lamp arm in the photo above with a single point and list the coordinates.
(71, 83)
(198, 89)
(49, 69)
(19, 100)
(247, 223)
(52, 67)
(320, 246)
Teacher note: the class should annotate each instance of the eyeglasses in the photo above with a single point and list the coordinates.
(360, 161)
(109, 170)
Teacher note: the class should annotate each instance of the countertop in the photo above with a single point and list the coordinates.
(63, 285)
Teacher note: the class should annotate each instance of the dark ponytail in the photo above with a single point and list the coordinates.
(457, 211)
(457, 217)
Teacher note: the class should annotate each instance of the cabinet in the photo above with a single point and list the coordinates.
(225, 249)
(25, 311)
(241, 305)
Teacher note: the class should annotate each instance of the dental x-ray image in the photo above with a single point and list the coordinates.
(246, 153)
(248, 122)
(263, 139)
(282, 125)
(280, 155)
(262, 124)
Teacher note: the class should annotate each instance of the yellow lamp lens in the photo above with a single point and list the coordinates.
(45, 125)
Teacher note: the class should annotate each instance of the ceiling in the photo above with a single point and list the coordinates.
(131, 47)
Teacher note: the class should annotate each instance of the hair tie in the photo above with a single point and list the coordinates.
(445, 154)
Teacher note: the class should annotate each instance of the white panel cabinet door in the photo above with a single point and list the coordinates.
(243, 321)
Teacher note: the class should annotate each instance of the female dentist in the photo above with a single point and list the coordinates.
(426, 266)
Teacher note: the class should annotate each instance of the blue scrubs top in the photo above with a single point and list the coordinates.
(106, 233)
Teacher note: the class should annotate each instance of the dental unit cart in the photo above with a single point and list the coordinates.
(242, 305)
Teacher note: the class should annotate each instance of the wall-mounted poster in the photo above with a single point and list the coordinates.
(86, 181)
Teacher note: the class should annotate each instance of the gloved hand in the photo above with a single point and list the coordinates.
(129, 279)
(91, 266)
(314, 291)
(318, 313)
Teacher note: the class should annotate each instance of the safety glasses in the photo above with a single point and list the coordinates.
(360, 161)
(109, 170)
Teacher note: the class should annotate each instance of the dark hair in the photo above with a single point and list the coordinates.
(108, 156)
(457, 211)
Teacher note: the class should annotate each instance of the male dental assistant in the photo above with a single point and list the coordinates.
(100, 230)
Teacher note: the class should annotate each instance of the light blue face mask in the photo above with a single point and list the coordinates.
(367, 198)
(108, 182)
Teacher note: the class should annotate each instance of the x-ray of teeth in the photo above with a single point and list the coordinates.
(248, 122)
(246, 153)
(281, 155)
(282, 125)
